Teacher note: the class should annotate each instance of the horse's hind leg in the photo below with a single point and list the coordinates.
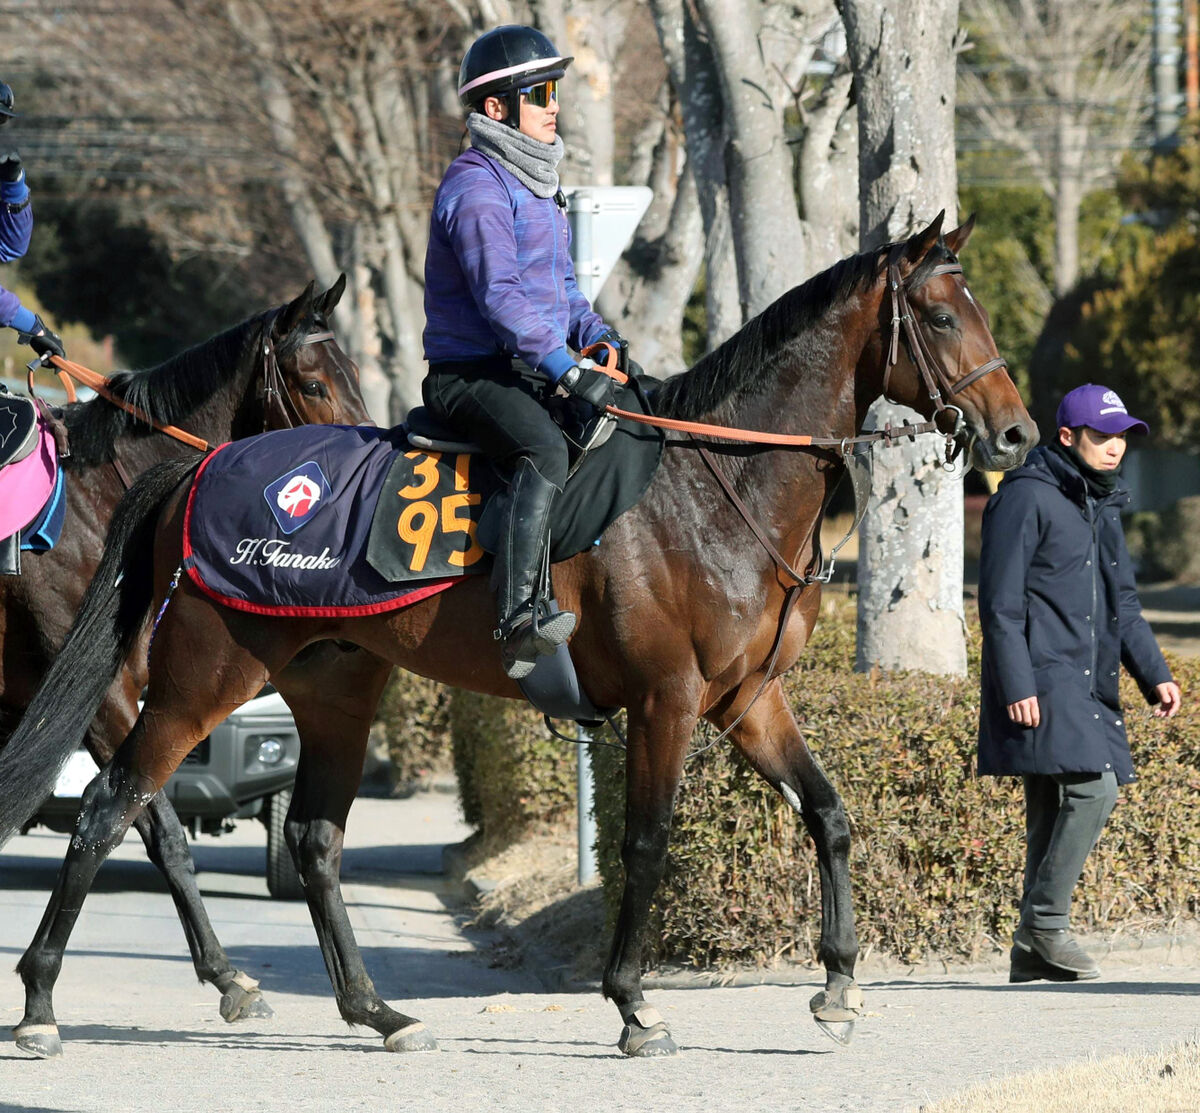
(333, 712)
(167, 848)
(157, 744)
(771, 741)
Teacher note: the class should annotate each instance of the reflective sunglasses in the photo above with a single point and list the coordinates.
(541, 95)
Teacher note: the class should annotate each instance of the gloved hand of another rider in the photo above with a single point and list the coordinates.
(10, 163)
(43, 340)
(591, 385)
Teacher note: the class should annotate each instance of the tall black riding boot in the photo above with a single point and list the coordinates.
(527, 629)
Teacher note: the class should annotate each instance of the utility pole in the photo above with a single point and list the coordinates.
(1166, 72)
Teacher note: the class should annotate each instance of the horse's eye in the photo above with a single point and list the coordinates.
(314, 388)
(943, 320)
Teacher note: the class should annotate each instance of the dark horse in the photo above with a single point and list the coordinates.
(680, 611)
(276, 369)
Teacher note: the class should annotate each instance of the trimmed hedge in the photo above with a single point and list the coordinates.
(513, 779)
(937, 852)
(413, 719)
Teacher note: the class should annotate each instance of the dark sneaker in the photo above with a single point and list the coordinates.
(1056, 947)
(1025, 966)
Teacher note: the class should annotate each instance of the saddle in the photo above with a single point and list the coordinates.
(29, 474)
(553, 686)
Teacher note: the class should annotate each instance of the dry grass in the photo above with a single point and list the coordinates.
(1166, 1081)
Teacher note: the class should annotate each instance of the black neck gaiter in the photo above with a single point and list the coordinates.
(1099, 483)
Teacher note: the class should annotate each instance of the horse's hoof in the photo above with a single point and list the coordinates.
(241, 999)
(237, 1004)
(646, 1035)
(840, 1031)
(414, 1037)
(835, 1011)
(39, 1039)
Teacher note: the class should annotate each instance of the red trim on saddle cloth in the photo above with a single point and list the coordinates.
(403, 600)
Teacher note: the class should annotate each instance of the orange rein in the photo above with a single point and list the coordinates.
(97, 382)
(754, 436)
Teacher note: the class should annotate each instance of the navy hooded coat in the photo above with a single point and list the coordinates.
(1060, 615)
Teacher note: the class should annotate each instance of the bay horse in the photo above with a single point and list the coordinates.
(682, 616)
(279, 368)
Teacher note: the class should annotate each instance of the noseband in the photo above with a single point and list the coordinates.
(274, 391)
(935, 378)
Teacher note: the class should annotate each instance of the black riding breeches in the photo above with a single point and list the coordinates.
(498, 404)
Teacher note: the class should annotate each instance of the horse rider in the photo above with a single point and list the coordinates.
(16, 226)
(503, 312)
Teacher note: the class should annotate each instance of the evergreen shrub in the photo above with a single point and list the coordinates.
(513, 779)
(413, 718)
(937, 852)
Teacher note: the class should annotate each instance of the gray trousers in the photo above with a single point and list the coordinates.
(1064, 815)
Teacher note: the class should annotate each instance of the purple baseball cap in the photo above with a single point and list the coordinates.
(1098, 408)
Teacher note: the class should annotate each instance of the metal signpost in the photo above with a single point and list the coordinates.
(603, 220)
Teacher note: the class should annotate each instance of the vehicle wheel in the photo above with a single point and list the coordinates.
(283, 882)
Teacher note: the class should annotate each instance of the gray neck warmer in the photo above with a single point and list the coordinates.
(532, 162)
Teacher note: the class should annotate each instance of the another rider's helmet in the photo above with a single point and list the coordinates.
(6, 103)
(505, 60)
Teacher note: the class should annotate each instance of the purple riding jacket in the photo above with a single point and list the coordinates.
(498, 273)
(15, 230)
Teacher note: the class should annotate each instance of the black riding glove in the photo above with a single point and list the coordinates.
(593, 386)
(43, 340)
(10, 164)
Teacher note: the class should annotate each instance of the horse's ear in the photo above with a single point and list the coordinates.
(294, 312)
(325, 302)
(919, 244)
(956, 239)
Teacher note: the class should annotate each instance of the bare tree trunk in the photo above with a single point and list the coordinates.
(252, 24)
(767, 238)
(910, 612)
(697, 87)
(1068, 198)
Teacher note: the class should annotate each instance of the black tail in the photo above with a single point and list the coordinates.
(111, 616)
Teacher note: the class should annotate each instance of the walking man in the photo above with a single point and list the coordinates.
(1060, 615)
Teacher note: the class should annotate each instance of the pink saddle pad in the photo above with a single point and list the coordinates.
(26, 485)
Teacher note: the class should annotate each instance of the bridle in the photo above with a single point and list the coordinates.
(931, 371)
(272, 390)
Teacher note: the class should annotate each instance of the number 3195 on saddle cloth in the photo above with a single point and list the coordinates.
(278, 523)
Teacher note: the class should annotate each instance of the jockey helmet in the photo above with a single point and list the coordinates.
(505, 60)
(6, 102)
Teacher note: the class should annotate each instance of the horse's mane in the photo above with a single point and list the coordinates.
(750, 356)
(170, 392)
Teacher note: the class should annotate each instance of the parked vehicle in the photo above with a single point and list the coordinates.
(244, 769)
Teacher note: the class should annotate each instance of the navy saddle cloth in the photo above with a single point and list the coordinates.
(328, 519)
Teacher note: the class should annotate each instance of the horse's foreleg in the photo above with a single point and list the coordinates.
(771, 741)
(167, 848)
(333, 719)
(653, 767)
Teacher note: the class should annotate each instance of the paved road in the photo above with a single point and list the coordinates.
(140, 1032)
